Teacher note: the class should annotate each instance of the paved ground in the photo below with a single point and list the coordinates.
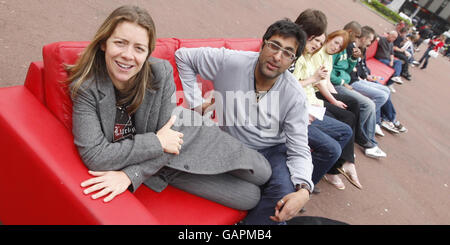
(408, 187)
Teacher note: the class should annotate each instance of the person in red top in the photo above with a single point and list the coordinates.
(434, 44)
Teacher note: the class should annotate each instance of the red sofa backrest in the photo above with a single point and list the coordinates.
(371, 50)
(59, 54)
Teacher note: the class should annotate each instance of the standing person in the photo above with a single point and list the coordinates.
(328, 137)
(385, 54)
(343, 65)
(260, 103)
(124, 131)
(425, 32)
(435, 45)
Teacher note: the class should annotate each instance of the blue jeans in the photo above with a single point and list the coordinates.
(367, 115)
(397, 66)
(388, 112)
(326, 139)
(278, 186)
(425, 57)
(375, 91)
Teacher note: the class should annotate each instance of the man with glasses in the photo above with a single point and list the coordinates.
(260, 103)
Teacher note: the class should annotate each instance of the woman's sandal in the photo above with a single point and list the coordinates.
(351, 178)
(339, 186)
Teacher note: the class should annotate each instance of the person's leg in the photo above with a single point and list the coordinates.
(367, 116)
(326, 139)
(388, 112)
(397, 67)
(224, 188)
(405, 63)
(376, 92)
(350, 119)
(272, 191)
(425, 63)
(424, 56)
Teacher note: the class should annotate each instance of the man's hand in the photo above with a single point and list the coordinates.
(356, 53)
(348, 86)
(289, 206)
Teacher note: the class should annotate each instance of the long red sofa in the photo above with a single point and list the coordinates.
(41, 170)
(377, 68)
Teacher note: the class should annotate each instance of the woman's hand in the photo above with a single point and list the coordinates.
(170, 140)
(320, 74)
(106, 182)
(340, 104)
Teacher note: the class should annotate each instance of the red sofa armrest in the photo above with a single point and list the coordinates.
(41, 171)
(34, 80)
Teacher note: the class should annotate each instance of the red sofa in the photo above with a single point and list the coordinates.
(376, 67)
(41, 170)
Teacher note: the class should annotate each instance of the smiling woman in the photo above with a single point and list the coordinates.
(125, 53)
(124, 127)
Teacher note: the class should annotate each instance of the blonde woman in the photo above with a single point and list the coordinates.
(313, 71)
(125, 132)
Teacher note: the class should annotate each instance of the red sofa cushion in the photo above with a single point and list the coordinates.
(376, 67)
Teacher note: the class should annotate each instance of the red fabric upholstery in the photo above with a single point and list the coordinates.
(376, 67)
(42, 171)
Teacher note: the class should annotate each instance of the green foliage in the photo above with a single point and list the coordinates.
(388, 13)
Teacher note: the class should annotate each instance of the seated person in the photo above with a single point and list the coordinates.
(343, 65)
(386, 114)
(401, 53)
(375, 91)
(328, 136)
(385, 54)
(260, 103)
(124, 131)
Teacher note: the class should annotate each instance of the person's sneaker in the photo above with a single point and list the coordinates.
(378, 130)
(375, 152)
(416, 62)
(397, 80)
(389, 126)
(400, 127)
(391, 87)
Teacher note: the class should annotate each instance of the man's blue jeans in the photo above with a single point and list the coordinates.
(326, 139)
(278, 186)
(367, 116)
(397, 66)
(388, 112)
(378, 93)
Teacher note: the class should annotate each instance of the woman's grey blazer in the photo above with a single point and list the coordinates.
(206, 149)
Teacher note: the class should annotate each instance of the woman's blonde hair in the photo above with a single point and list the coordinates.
(344, 34)
(92, 60)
